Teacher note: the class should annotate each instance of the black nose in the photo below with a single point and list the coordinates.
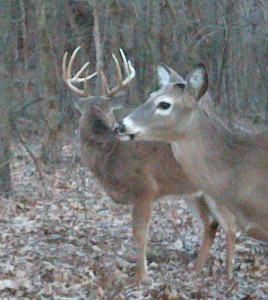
(120, 128)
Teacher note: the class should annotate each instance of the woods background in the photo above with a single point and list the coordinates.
(230, 37)
(61, 235)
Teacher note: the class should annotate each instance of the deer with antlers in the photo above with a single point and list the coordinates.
(138, 173)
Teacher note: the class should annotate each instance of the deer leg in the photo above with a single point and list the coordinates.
(209, 228)
(209, 232)
(141, 216)
(227, 222)
(228, 225)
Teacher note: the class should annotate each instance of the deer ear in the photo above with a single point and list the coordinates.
(197, 81)
(98, 112)
(100, 119)
(163, 75)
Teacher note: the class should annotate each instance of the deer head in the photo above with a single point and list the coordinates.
(97, 107)
(168, 112)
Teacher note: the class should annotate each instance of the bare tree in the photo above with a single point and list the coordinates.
(98, 44)
(6, 95)
(51, 148)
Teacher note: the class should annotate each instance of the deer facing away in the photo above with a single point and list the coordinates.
(138, 173)
(231, 167)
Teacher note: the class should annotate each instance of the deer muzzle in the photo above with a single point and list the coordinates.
(121, 131)
(120, 128)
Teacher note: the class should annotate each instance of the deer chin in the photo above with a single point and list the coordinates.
(124, 138)
(127, 137)
(124, 133)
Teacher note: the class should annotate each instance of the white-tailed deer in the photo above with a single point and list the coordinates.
(231, 167)
(139, 173)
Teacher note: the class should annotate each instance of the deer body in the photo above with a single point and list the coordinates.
(139, 173)
(129, 170)
(231, 167)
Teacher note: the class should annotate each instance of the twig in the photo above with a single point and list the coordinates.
(26, 105)
(36, 163)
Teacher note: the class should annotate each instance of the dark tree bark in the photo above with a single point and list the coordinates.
(51, 147)
(6, 95)
(98, 45)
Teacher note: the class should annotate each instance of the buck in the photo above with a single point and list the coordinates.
(230, 166)
(139, 173)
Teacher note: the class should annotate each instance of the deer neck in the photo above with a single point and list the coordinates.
(96, 152)
(229, 166)
(204, 155)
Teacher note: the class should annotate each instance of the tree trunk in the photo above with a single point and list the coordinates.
(51, 147)
(98, 46)
(6, 95)
(5, 176)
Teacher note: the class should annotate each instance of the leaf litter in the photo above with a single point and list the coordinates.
(78, 244)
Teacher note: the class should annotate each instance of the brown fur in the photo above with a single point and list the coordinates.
(231, 167)
(138, 173)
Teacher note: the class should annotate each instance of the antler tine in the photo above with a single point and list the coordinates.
(132, 73)
(67, 73)
(70, 65)
(129, 70)
(124, 61)
(76, 77)
(118, 69)
(64, 74)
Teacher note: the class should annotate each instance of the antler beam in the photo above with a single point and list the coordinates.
(67, 74)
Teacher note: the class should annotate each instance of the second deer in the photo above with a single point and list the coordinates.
(139, 173)
(230, 166)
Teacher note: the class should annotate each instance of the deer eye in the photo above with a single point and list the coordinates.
(163, 105)
(180, 85)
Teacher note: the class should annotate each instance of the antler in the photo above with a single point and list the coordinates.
(70, 81)
(67, 74)
(129, 70)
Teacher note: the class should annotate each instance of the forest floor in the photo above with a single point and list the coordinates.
(77, 243)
